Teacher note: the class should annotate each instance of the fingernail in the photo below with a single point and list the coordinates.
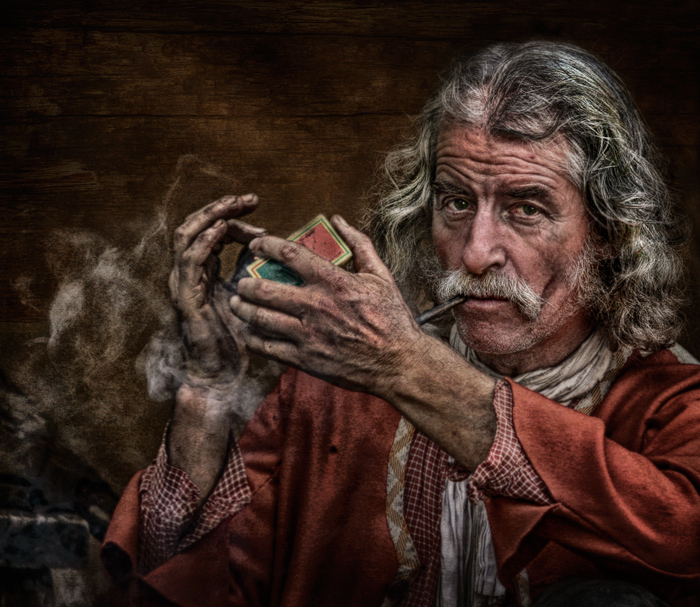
(253, 244)
(234, 301)
(248, 197)
(219, 223)
(341, 221)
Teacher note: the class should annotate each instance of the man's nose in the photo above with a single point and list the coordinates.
(484, 244)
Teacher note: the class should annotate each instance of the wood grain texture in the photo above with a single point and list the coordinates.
(117, 114)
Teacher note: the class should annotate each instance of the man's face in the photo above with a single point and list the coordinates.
(506, 206)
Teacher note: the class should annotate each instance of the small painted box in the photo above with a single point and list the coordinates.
(319, 236)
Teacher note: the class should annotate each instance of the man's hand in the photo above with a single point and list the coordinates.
(220, 387)
(209, 331)
(353, 330)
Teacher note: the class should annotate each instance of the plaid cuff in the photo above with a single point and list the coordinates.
(507, 471)
(169, 518)
(230, 495)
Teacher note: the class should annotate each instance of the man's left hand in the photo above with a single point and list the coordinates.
(351, 329)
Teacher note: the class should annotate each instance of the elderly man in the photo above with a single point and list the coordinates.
(549, 453)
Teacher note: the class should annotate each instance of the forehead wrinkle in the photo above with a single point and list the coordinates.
(475, 175)
(492, 152)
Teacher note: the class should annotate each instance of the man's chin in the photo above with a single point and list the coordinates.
(490, 337)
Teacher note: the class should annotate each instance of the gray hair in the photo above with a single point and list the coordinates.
(536, 92)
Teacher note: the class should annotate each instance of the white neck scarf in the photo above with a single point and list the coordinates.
(580, 380)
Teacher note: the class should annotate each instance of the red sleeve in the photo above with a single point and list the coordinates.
(625, 483)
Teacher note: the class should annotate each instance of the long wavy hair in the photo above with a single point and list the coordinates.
(536, 92)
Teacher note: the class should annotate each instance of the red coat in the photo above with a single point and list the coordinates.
(626, 482)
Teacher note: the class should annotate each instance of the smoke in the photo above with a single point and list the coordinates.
(85, 405)
(160, 363)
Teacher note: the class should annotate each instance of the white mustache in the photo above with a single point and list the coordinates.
(491, 285)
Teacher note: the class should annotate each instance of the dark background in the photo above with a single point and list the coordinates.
(119, 118)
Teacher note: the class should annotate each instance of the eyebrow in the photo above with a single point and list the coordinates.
(532, 191)
(447, 187)
(537, 192)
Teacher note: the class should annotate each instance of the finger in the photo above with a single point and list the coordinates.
(239, 231)
(191, 266)
(203, 245)
(224, 208)
(295, 256)
(223, 310)
(272, 348)
(265, 320)
(285, 298)
(366, 258)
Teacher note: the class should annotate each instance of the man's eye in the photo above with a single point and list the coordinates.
(459, 204)
(528, 210)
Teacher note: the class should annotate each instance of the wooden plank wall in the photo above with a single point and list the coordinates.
(115, 115)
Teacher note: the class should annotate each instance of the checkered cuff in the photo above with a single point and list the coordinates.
(507, 471)
(170, 521)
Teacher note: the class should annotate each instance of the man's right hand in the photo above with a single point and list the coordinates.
(214, 356)
(218, 367)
